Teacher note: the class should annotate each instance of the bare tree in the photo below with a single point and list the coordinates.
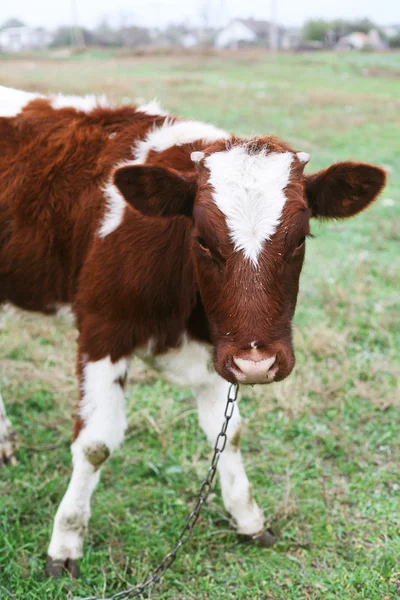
(273, 27)
(206, 13)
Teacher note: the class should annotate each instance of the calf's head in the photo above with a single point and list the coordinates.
(250, 205)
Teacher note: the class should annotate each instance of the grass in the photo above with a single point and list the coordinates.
(321, 448)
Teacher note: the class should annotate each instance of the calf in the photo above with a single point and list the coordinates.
(171, 239)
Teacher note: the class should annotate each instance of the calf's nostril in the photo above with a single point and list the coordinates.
(254, 367)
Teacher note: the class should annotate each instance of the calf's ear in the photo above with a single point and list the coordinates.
(344, 189)
(156, 191)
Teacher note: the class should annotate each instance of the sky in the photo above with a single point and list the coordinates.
(50, 13)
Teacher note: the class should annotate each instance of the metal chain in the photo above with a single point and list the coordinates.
(187, 530)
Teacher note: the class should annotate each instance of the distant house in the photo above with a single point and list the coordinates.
(375, 40)
(244, 33)
(353, 41)
(17, 39)
(357, 40)
(177, 35)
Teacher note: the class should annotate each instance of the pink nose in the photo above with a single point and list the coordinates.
(255, 371)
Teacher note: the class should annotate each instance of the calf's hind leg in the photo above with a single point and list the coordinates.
(7, 438)
(100, 428)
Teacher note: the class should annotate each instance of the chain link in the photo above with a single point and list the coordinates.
(186, 533)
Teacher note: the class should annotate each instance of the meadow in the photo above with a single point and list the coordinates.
(322, 448)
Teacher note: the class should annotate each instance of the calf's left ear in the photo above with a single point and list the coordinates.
(156, 191)
(344, 189)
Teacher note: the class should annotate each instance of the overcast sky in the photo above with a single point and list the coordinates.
(51, 13)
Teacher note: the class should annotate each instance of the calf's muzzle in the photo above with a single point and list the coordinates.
(255, 368)
(250, 365)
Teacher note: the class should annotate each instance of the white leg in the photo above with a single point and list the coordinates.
(235, 486)
(191, 365)
(7, 438)
(102, 413)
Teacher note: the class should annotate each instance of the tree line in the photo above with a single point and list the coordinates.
(327, 32)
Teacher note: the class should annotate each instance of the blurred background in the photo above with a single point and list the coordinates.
(230, 24)
(321, 448)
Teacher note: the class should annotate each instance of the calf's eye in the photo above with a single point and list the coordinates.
(202, 243)
(301, 243)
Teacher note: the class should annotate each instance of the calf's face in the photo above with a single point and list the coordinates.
(250, 204)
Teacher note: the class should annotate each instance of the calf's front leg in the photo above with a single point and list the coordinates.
(190, 365)
(99, 430)
(235, 487)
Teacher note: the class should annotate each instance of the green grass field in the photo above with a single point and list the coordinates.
(321, 448)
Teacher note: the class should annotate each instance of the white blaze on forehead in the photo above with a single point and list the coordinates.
(13, 101)
(249, 191)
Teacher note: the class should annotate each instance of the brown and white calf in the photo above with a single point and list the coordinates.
(171, 239)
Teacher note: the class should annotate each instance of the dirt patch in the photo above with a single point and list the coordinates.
(386, 72)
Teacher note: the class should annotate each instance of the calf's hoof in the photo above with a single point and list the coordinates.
(264, 539)
(8, 444)
(56, 567)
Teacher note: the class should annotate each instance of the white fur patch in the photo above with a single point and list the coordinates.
(102, 408)
(115, 209)
(103, 412)
(249, 191)
(152, 108)
(13, 101)
(187, 365)
(81, 103)
(73, 514)
(176, 134)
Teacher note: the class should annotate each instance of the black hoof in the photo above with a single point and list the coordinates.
(56, 567)
(265, 539)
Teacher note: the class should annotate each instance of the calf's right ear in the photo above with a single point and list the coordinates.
(157, 191)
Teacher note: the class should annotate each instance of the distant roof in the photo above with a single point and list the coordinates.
(260, 28)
